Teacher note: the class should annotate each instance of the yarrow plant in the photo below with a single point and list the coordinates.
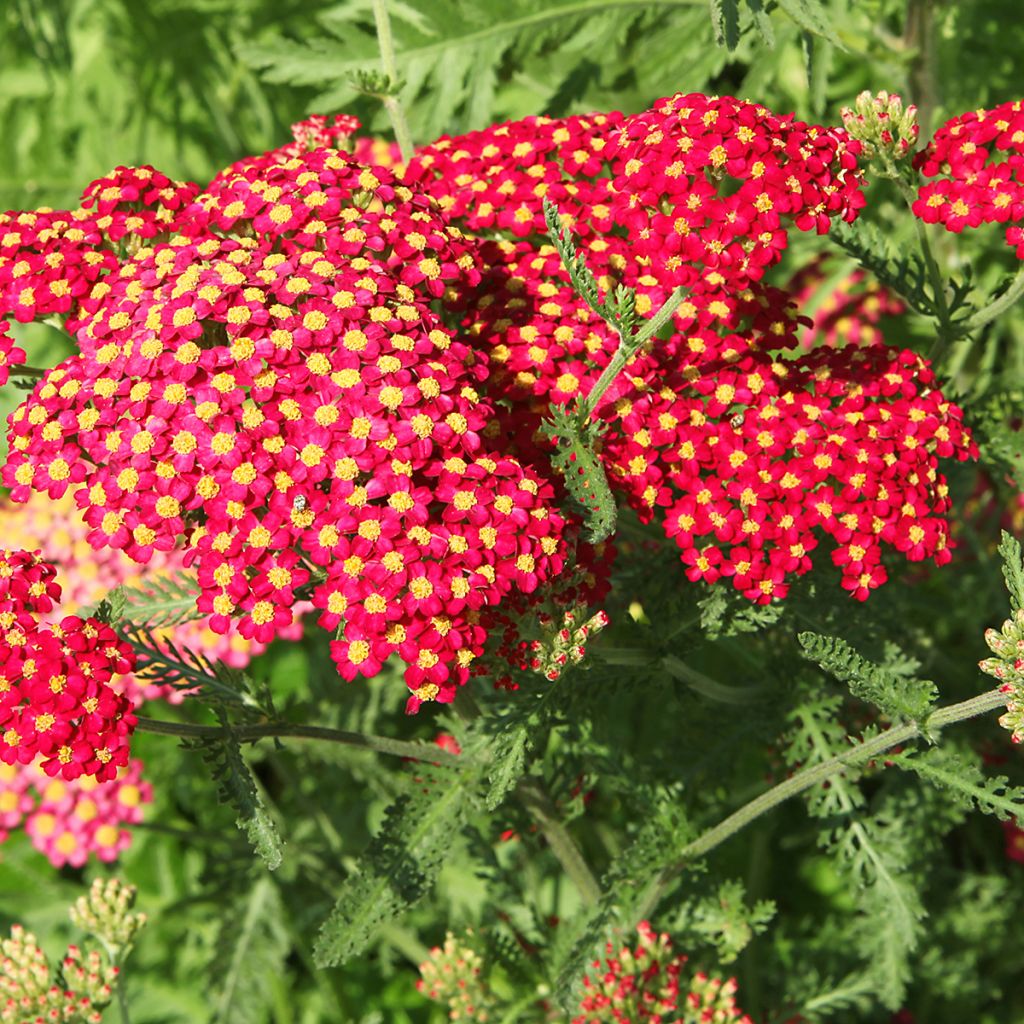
(562, 419)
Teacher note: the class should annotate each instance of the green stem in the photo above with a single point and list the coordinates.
(806, 779)
(997, 306)
(628, 347)
(536, 800)
(28, 371)
(387, 59)
(381, 744)
(122, 1001)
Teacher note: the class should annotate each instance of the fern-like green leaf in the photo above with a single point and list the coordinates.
(813, 18)
(237, 787)
(250, 950)
(893, 694)
(507, 764)
(400, 864)
(164, 662)
(163, 601)
(725, 20)
(959, 774)
(576, 459)
(1013, 570)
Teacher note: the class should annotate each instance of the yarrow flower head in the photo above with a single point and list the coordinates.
(70, 821)
(707, 187)
(708, 429)
(646, 983)
(974, 187)
(289, 403)
(56, 702)
(882, 124)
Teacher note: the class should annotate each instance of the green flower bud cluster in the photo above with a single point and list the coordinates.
(882, 124)
(563, 642)
(1007, 644)
(105, 912)
(32, 992)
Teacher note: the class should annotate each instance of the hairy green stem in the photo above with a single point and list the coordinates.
(535, 799)
(806, 779)
(997, 306)
(628, 347)
(381, 744)
(387, 59)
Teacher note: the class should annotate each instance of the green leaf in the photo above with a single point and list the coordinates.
(237, 787)
(163, 601)
(400, 865)
(251, 948)
(899, 698)
(725, 19)
(812, 17)
(1013, 570)
(959, 774)
(576, 459)
(507, 764)
(727, 922)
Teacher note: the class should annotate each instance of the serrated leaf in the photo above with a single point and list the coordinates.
(762, 22)
(507, 764)
(812, 17)
(1013, 570)
(725, 20)
(583, 472)
(236, 787)
(961, 776)
(399, 866)
(162, 601)
(898, 697)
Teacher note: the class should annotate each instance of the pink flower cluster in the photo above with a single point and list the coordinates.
(70, 820)
(643, 984)
(56, 702)
(974, 187)
(851, 311)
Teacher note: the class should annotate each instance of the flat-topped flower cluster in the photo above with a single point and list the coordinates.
(324, 379)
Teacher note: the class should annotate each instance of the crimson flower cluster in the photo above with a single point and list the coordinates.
(56, 702)
(323, 379)
(974, 187)
(746, 454)
(643, 984)
(273, 385)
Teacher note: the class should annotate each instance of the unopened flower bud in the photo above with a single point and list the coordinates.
(882, 124)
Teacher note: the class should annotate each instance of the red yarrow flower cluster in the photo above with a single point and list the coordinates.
(707, 186)
(746, 454)
(974, 186)
(56, 702)
(644, 983)
(273, 385)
